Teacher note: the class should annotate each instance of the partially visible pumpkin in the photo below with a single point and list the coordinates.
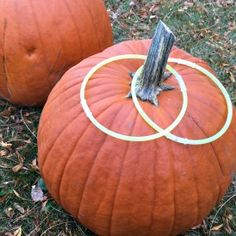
(123, 188)
(40, 40)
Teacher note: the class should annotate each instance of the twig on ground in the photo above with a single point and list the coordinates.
(23, 119)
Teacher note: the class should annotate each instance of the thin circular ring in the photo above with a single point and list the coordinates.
(109, 132)
(177, 138)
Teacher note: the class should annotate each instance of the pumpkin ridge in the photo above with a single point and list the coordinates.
(66, 163)
(217, 158)
(172, 170)
(116, 191)
(53, 66)
(201, 79)
(62, 130)
(189, 115)
(210, 93)
(73, 150)
(53, 144)
(213, 149)
(75, 25)
(119, 178)
(77, 83)
(96, 212)
(95, 158)
(94, 24)
(58, 196)
(169, 147)
(194, 174)
(115, 78)
(195, 84)
(201, 101)
(187, 69)
(154, 192)
(60, 48)
(34, 17)
(203, 86)
(109, 68)
(197, 214)
(199, 74)
(196, 188)
(45, 119)
(109, 96)
(62, 91)
(218, 161)
(83, 187)
(112, 86)
(4, 63)
(232, 130)
(121, 66)
(212, 108)
(93, 102)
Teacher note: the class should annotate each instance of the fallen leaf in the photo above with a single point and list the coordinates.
(5, 145)
(34, 164)
(26, 114)
(232, 77)
(188, 4)
(18, 232)
(17, 167)
(37, 194)
(3, 198)
(230, 217)
(132, 3)
(227, 226)
(217, 227)
(228, 229)
(8, 234)
(20, 157)
(4, 153)
(19, 208)
(27, 141)
(8, 182)
(7, 112)
(9, 212)
(197, 227)
(152, 17)
(5, 166)
(16, 193)
(44, 206)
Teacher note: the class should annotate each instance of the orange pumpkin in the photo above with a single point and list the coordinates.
(42, 39)
(116, 187)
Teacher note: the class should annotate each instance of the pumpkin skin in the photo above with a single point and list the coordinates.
(116, 187)
(40, 40)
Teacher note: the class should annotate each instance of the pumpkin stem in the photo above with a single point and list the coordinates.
(150, 82)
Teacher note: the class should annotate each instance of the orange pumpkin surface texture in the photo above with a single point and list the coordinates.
(116, 187)
(40, 40)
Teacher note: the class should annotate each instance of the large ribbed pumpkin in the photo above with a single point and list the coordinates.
(40, 40)
(121, 188)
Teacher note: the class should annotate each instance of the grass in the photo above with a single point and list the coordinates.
(206, 29)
